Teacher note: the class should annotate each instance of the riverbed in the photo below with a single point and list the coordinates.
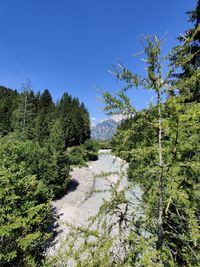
(79, 203)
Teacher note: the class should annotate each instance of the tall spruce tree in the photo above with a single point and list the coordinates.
(45, 115)
(8, 103)
(187, 57)
(74, 120)
(65, 112)
(85, 123)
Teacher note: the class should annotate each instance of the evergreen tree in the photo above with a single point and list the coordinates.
(44, 117)
(155, 147)
(23, 118)
(64, 107)
(85, 123)
(163, 229)
(8, 103)
(74, 120)
(45, 101)
(34, 169)
(187, 57)
(56, 139)
(25, 210)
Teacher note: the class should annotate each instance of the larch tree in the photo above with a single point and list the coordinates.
(163, 229)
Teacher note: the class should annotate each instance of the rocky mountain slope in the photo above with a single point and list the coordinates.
(104, 130)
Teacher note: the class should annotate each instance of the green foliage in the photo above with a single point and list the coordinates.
(91, 149)
(186, 57)
(8, 103)
(74, 119)
(50, 168)
(23, 117)
(104, 144)
(25, 211)
(179, 125)
(44, 118)
(161, 144)
(79, 155)
(51, 129)
(56, 139)
(36, 117)
(34, 169)
(57, 175)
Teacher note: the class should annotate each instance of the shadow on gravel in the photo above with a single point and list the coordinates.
(72, 186)
(53, 228)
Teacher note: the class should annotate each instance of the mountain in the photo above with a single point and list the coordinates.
(104, 130)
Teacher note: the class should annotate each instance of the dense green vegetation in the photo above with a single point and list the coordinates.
(25, 211)
(104, 144)
(79, 155)
(40, 141)
(36, 117)
(161, 145)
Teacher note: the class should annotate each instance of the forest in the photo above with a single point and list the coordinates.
(40, 142)
(36, 135)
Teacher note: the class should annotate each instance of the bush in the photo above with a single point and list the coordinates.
(105, 144)
(91, 149)
(52, 169)
(81, 154)
(76, 159)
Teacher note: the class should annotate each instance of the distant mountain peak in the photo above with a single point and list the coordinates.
(105, 129)
(118, 118)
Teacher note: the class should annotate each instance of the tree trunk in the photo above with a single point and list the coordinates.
(160, 177)
(24, 114)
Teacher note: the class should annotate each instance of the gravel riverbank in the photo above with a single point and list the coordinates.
(78, 205)
(75, 207)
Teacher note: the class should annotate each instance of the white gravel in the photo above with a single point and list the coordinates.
(76, 207)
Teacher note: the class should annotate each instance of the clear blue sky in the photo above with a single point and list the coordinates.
(69, 45)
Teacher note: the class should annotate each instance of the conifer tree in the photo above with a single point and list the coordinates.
(74, 120)
(85, 123)
(8, 103)
(44, 117)
(56, 139)
(23, 118)
(187, 57)
(64, 107)
(163, 229)
(25, 210)
(174, 206)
